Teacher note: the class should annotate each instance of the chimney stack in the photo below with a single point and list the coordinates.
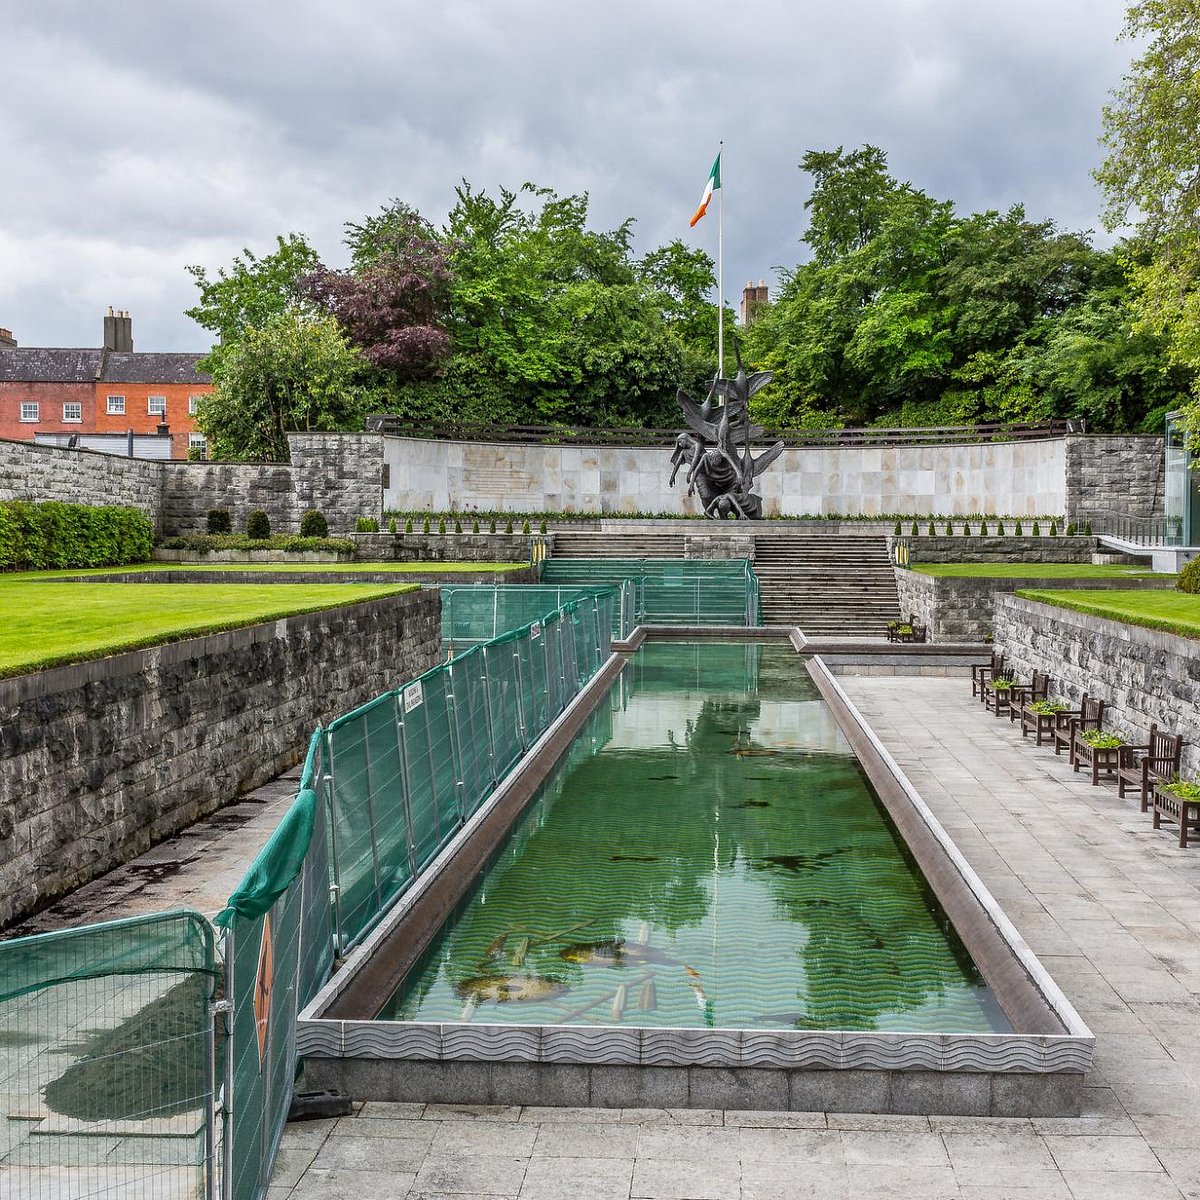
(7, 341)
(118, 332)
(753, 298)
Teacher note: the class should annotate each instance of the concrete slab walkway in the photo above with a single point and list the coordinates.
(1113, 909)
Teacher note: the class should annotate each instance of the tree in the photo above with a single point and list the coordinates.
(294, 373)
(251, 292)
(1152, 172)
(391, 304)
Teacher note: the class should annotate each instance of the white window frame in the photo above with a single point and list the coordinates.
(197, 441)
(156, 406)
(193, 403)
(72, 412)
(30, 411)
(116, 406)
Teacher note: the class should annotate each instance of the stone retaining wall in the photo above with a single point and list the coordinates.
(959, 609)
(100, 760)
(446, 547)
(1142, 675)
(29, 471)
(1114, 474)
(994, 548)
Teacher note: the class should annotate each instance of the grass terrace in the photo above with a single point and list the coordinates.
(348, 568)
(1032, 570)
(1174, 612)
(48, 624)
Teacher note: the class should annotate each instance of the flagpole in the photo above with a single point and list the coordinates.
(721, 266)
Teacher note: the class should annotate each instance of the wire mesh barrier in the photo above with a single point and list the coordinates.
(671, 591)
(478, 612)
(107, 1060)
(402, 773)
(278, 952)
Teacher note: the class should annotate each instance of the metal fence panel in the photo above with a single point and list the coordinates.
(109, 1027)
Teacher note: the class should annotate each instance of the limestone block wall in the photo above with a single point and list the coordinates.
(1142, 675)
(447, 547)
(963, 610)
(340, 474)
(1020, 478)
(29, 471)
(1114, 474)
(957, 548)
(100, 760)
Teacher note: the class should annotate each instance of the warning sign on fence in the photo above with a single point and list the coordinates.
(414, 696)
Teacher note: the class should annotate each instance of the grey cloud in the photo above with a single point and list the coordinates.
(150, 135)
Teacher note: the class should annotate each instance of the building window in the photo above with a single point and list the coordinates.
(29, 411)
(72, 412)
(157, 405)
(116, 406)
(193, 404)
(197, 446)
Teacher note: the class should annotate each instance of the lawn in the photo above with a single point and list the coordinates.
(1020, 570)
(48, 624)
(399, 568)
(1176, 612)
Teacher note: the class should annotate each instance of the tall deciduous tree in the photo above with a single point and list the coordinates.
(251, 291)
(294, 372)
(1152, 172)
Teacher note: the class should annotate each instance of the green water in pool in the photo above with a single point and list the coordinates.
(708, 853)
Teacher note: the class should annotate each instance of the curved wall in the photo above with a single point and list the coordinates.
(1008, 478)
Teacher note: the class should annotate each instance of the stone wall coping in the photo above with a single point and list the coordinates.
(18, 688)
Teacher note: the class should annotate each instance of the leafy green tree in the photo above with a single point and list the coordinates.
(295, 372)
(1152, 173)
(251, 292)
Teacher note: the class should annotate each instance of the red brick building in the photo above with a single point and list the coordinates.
(102, 396)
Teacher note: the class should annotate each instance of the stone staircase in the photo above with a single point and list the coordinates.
(593, 544)
(829, 586)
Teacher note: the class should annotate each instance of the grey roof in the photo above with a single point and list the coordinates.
(153, 368)
(35, 364)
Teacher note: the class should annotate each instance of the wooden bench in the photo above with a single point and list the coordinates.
(1088, 715)
(1028, 693)
(1144, 766)
(996, 699)
(984, 671)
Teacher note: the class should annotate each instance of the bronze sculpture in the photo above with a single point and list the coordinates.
(721, 466)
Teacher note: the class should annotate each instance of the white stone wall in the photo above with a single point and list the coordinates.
(1008, 478)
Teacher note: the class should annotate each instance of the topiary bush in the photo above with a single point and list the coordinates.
(1036, 531)
(896, 530)
(219, 521)
(313, 524)
(1189, 578)
(366, 525)
(914, 530)
(1054, 529)
(1017, 530)
(258, 525)
(408, 525)
(392, 525)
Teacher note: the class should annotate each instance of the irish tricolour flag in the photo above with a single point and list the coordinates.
(714, 182)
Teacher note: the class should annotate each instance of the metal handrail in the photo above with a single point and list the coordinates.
(1144, 531)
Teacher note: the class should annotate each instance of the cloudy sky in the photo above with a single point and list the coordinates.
(144, 135)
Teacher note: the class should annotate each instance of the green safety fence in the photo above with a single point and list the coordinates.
(278, 945)
(402, 773)
(474, 613)
(671, 591)
(109, 1029)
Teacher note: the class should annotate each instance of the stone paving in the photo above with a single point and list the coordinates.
(1111, 907)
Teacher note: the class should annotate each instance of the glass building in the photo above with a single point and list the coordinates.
(1182, 487)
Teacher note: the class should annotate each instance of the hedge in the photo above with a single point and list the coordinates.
(1189, 577)
(44, 535)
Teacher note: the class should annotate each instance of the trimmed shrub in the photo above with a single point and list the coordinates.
(1036, 531)
(1017, 530)
(313, 524)
(219, 521)
(508, 527)
(999, 528)
(457, 525)
(426, 529)
(408, 525)
(896, 530)
(203, 543)
(1071, 529)
(366, 525)
(474, 526)
(1087, 529)
(525, 526)
(258, 525)
(983, 529)
(1054, 529)
(492, 529)
(392, 525)
(542, 525)
(932, 531)
(1189, 577)
(914, 530)
(36, 536)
